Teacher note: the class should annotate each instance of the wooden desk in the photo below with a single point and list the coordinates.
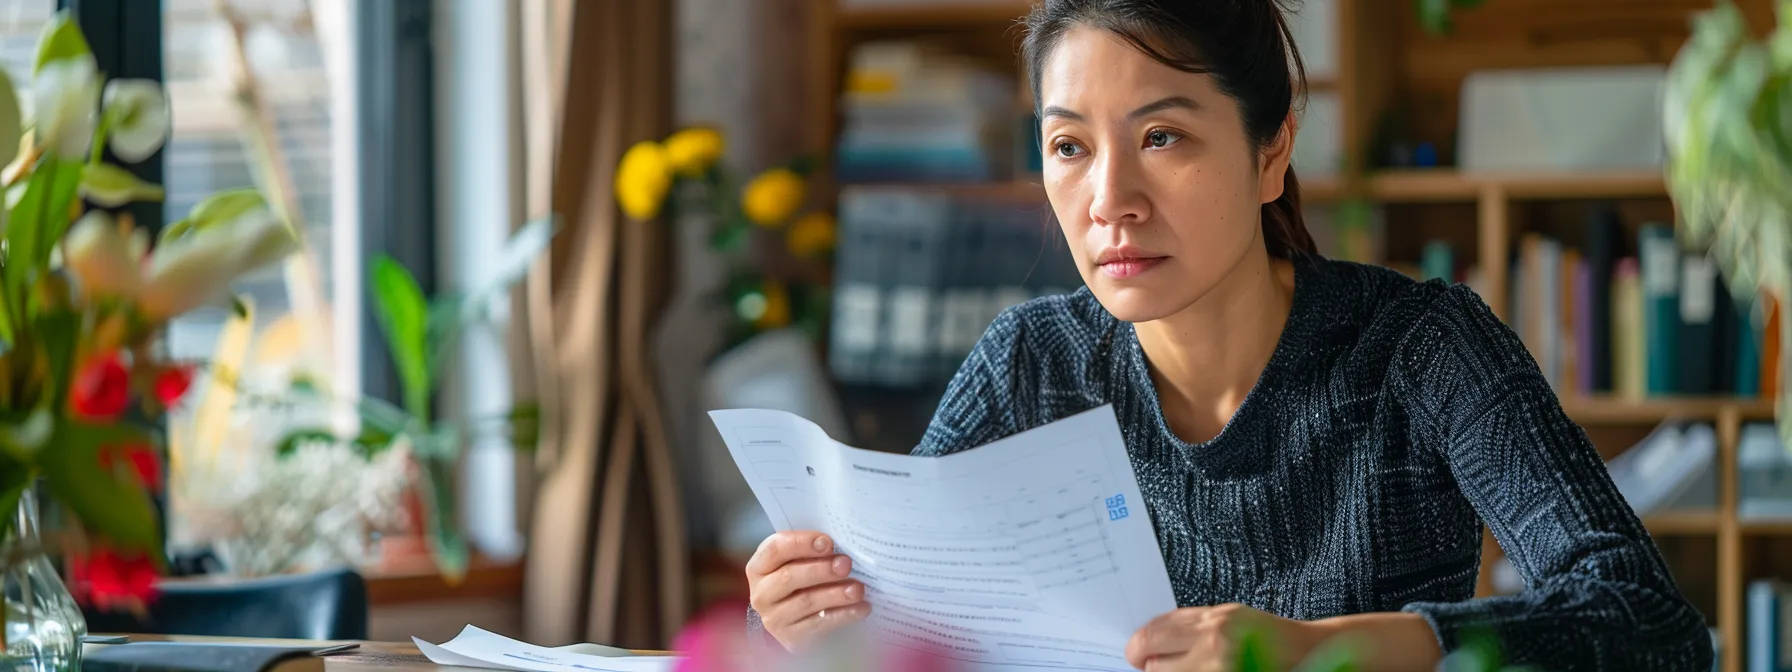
(369, 657)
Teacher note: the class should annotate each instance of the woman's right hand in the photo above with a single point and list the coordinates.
(801, 589)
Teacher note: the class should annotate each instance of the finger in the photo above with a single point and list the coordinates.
(1168, 635)
(811, 601)
(784, 547)
(801, 575)
(822, 623)
(1185, 662)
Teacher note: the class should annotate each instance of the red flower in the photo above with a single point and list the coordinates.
(172, 383)
(143, 461)
(101, 389)
(110, 581)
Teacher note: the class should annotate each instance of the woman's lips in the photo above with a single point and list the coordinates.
(1121, 269)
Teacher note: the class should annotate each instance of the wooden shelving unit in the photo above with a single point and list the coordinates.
(1383, 62)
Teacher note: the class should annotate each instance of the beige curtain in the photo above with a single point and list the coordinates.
(607, 560)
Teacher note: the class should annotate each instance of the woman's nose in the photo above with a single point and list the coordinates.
(1119, 196)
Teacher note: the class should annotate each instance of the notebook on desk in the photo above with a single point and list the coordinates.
(206, 657)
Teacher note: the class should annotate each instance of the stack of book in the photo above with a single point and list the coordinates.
(1599, 320)
(922, 273)
(914, 115)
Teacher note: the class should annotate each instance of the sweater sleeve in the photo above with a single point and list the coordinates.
(1597, 595)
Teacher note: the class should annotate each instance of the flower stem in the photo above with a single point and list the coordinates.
(99, 139)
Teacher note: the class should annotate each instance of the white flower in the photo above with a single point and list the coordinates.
(65, 100)
(106, 260)
(197, 268)
(139, 116)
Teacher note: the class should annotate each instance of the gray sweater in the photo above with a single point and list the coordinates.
(1393, 420)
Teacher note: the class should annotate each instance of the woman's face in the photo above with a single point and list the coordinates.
(1150, 174)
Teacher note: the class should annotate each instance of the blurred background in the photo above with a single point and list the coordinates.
(872, 203)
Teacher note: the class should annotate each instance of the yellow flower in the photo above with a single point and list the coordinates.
(811, 235)
(694, 150)
(642, 180)
(771, 198)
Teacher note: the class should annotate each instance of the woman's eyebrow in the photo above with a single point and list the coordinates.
(1169, 103)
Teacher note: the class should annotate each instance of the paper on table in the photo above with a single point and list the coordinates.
(1032, 552)
(474, 647)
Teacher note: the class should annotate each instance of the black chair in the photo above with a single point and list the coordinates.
(323, 605)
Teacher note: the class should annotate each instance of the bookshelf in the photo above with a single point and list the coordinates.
(1381, 63)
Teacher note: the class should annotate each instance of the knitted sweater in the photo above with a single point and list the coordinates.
(1393, 419)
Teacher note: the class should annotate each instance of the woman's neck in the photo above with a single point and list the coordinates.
(1205, 359)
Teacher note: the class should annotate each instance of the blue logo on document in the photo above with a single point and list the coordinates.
(1116, 507)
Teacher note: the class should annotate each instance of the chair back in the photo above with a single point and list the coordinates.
(329, 605)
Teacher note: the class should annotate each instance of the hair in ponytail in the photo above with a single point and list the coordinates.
(1244, 44)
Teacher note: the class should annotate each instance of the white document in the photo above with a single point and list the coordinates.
(478, 648)
(1032, 552)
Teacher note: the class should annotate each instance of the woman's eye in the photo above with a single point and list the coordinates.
(1161, 139)
(1067, 149)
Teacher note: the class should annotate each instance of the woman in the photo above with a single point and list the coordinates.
(1319, 442)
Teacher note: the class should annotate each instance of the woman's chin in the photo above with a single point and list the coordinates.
(1134, 303)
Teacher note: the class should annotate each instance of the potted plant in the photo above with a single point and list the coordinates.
(1727, 113)
(83, 299)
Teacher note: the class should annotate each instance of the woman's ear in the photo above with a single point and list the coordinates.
(1273, 164)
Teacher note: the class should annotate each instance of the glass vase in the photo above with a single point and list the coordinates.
(41, 626)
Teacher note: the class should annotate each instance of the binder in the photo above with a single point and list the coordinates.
(1697, 339)
(858, 297)
(1660, 274)
(916, 224)
(1605, 236)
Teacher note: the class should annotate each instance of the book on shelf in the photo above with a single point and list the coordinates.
(1768, 641)
(1660, 323)
(913, 114)
(923, 274)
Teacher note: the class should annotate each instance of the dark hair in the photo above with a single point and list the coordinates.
(1244, 44)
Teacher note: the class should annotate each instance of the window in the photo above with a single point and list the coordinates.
(21, 21)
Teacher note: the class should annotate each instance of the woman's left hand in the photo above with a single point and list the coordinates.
(1206, 639)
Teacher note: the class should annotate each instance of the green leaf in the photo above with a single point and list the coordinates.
(290, 443)
(449, 315)
(13, 481)
(525, 426)
(403, 316)
(1254, 651)
(114, 507)
(1434, 15)
(24, 229)
(239, 308)
(111, 186)
(59, 332)
(61, 39)
(446, 544)
(65, 182)
(11, 119)
(177, 229)
(222, 207)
